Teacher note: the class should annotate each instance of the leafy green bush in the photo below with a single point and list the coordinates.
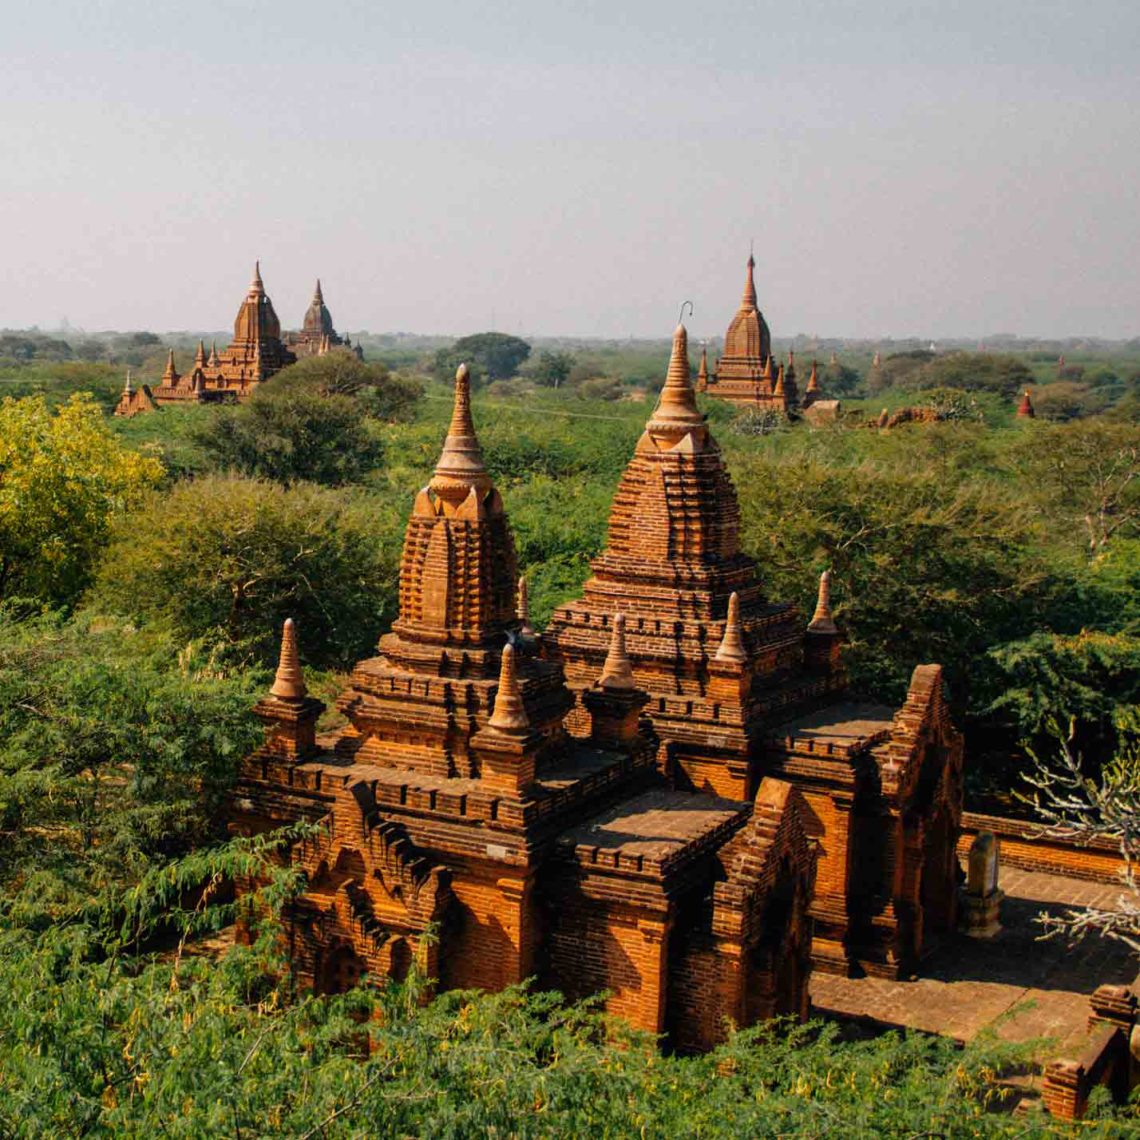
(231, 558)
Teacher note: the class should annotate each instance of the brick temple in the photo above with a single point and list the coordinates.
(742, 688)
(257, 352)
(318, 335)
(455, 799)
(747, 372)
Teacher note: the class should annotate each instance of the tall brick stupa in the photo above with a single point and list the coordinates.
(454, 799)
(742, 687)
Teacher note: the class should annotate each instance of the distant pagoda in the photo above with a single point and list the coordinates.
(255, 354)
(747, 373)
(318, 335)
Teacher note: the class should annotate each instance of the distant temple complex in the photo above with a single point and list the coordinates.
(747, 373)
(257, 352)
(635, 801)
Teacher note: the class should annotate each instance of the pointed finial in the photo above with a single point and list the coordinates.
(213, 361)
(732, 644)
(256, 282)
(617, 672)
(460, 465)
(779, 388)
(522, 611)
(127, 389)
(677, 405)
(170, 375)
(510, 713)
(318, 296)
(200, 355)
(289, 684)
(822, 621)
(703, 370)
(813, 379)
(748, 300)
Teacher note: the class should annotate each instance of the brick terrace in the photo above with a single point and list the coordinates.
(969, 983)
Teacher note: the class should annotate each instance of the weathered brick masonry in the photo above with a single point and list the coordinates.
(456, 800)
(742, 688)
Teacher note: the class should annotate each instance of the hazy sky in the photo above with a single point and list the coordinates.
(911, 167)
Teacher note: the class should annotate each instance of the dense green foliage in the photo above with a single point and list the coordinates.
(230, 558)
(1010, 551)
(63, 477)
(489, 355)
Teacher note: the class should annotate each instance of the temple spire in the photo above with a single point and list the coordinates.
(460, 465)
(127, 389)
(289, 684)
(256, 287)
(510, 713)
(170, 376)
(617, 672)
(318, 296)
(779, 388)
(703, 370)
(822, 621)
(732, 644)
(748, 301)
(813, 379)
(200, 356)
(1025, 409)
(213, 361)
(523, 610)
(677, 406)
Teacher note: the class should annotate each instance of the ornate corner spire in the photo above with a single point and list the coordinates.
(460, 465)
(677, 405)
(522, 611)
(213, 360)
(779, 388)
(617, 672)
(732, 644)
(748, 300)
(289, 684)
(822, 621)
(171, 373)
(509, 714)
(813, 379)
(200, 356)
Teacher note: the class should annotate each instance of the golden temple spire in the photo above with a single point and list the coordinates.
(822, 621)
(617, 672)
(510, 713)
(523, 610)
(748, 301)
(732, 644)
(779, 388)
(813, 379)
(677, 405)
(460, 465)
(289, 684)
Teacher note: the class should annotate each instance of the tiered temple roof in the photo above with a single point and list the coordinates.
(454, 798)
(254, 355)
(726, 669)
(318, 335)
(747, 373)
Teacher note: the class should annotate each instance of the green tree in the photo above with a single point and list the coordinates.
(550, 369)
(232, 557)
(382, 395)
(293, 433)
(63, 478)
(490, 355)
